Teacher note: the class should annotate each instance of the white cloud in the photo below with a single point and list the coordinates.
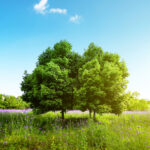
(58, 10)
(41, 6)
(75, 19)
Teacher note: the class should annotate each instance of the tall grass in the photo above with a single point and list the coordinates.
(77, 132)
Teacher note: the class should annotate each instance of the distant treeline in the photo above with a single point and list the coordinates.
(12, 102)
(132, 102)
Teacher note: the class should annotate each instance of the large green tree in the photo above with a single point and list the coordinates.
(50, 86)
(63, 79)
(91, 86)
(102, 80)
(114, 74)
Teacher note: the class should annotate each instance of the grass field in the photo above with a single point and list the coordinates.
(25, 131)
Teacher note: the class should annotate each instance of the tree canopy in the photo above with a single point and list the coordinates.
(103, 80)
(64, 80)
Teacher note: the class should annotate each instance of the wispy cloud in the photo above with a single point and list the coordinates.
(58, 10)
(41, 6)
(75, 19)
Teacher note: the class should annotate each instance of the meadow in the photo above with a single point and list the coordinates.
(26, 131)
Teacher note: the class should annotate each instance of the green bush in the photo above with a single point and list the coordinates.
(104, 109)
(11, 102)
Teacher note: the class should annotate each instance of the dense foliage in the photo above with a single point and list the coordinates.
(64, 80)
(11, 102)
(102, 80)
(50, 86)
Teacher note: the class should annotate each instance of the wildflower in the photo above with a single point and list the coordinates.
(43, 131)
(99, 122)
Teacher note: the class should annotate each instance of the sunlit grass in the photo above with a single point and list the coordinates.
(77, 131)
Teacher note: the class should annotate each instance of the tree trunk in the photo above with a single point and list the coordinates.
(90, 112)
(72, 101)
(62, 114)
(94, 115)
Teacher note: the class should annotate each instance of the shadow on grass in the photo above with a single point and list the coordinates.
(38, 123)
(57, 123)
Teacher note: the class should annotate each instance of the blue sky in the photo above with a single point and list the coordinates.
(28, 27)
